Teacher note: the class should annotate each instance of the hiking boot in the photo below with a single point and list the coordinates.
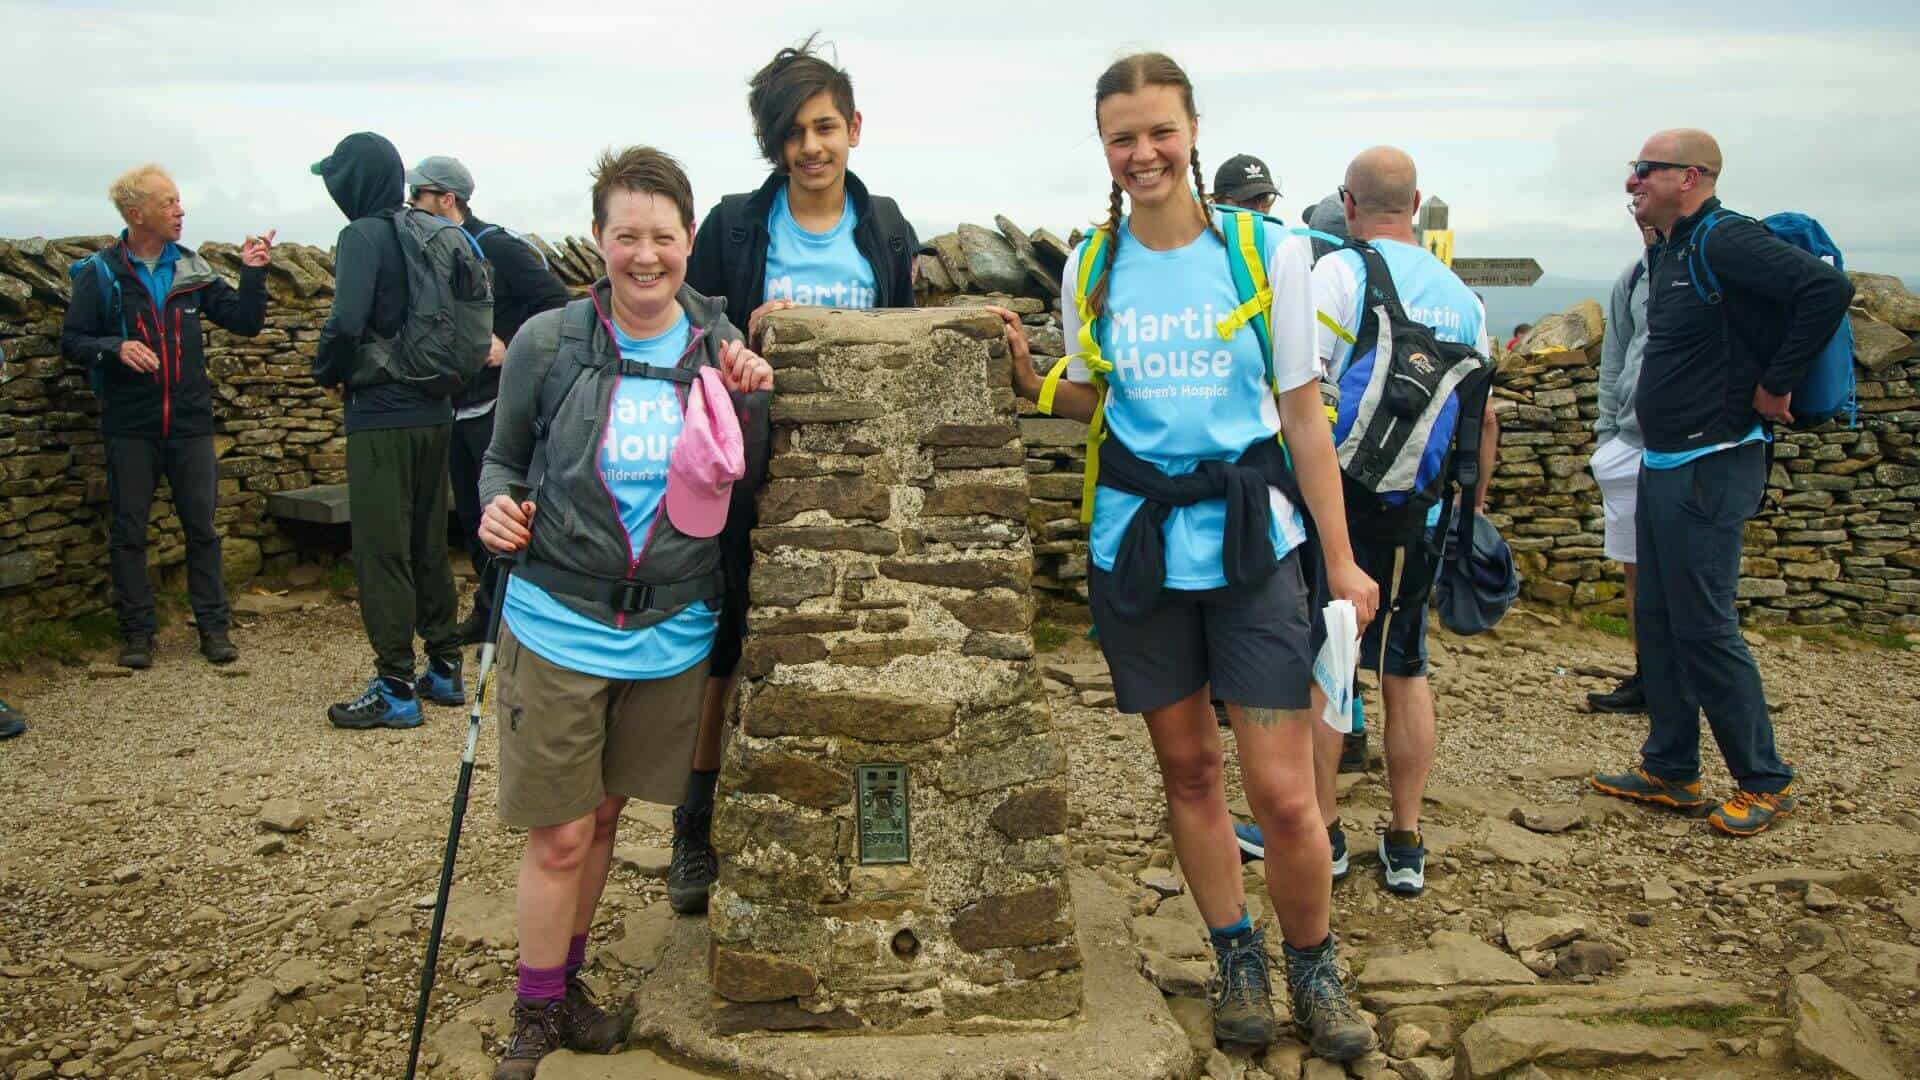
(217, 647)
(1252, 842)
(1750, 812)
(380, 706)
(1642, 786)
(137, 652)
(440, 684)
(1353, 753)
(537, 1032)
(1403, 863)
(11, 723)
(1337, 839)
(586, 1027)
(1242, 997)
(1322, 1012)
(473, 628)
(1627, 699)
(690, 875)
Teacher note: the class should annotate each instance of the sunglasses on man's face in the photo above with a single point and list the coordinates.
(1643, 169)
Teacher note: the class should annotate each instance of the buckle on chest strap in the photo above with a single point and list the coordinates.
(632, 597)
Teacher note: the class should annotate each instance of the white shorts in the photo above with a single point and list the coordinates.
(1616, 468)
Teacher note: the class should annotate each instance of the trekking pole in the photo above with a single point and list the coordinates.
(519, 494)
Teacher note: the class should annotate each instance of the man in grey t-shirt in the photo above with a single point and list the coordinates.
(1616, 459)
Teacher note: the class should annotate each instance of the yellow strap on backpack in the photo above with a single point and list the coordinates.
(1261, 301)
(1097, 367)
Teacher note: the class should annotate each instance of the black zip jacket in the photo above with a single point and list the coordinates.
(730, 250)
(177, 400)
(523, 287)
(1780, 306)
(366, 180)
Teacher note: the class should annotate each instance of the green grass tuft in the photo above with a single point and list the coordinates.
(1608, 624)
(66, 641)
(339, 577)
(1048, 636)
(1721, 1020)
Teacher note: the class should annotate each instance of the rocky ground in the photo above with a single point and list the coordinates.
(198, 877)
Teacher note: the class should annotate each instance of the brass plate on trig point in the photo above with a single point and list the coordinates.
(884, 829)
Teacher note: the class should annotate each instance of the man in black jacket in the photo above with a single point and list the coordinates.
(397, 438)
(1719, 371)
(134, 322)
(523, 286)
(810, 236)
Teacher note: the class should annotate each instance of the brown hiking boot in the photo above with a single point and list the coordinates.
(588, 1028)
(537, 1028)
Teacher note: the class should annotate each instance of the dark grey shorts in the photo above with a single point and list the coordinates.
(1250, 644)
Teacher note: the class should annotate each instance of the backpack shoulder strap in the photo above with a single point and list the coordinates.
(1705, 282)
(576, 330)
(1095, 252)
(1247, 262)
(1633, 276)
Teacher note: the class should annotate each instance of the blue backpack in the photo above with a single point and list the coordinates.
(1826, 390)
(109, 283)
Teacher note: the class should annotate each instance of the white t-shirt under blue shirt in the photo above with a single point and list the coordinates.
(1179, 394)
(643, 423)
(1430, 292)
(816, 269)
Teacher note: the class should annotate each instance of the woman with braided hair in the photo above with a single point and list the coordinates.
(1196, 584)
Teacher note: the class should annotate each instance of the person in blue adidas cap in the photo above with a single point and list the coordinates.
(1196, 581)
(1719, 372)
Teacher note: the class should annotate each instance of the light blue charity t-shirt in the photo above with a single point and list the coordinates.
(816, 269)
(1179, 394)
(643, 423)
(1673, 459)
(1429, 291)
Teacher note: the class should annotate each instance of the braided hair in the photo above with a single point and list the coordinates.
(1127, 75)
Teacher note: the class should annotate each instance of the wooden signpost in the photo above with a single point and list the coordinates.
(1432, 232)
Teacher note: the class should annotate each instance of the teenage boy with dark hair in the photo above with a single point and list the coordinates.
(811, 235)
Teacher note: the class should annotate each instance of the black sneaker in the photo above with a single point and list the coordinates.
(1242, 997)
(690, 875)
(1628, 698)
(537, 1032)
(137, 652)
(473, 628)
(1403, 863)
(217, 647)
(1353, 752)
(1337, 840)
(586, 1027)
(381, 705)
(11, 723)
(1322, 1011)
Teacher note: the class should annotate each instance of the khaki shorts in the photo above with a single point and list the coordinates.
(568, 740)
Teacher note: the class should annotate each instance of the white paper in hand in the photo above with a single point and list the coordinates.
(1333, 668)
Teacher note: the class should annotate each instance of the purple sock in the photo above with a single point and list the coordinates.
(576, 954)
(542, 984)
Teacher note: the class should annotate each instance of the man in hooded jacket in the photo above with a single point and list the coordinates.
(397, 440)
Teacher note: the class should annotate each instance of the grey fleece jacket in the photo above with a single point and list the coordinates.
(1624, 346)
(577, 526)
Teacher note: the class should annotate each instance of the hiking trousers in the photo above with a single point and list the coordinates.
(134, 468)
(397, 495)
(469, 449)
(1692, 520)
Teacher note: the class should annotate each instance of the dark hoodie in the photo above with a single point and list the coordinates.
(367, 181)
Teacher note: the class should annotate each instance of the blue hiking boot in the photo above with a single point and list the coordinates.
(1337, 838)
(382, 705)
(441, 684)
(1403, 863)
(1242, 991)
(11, 723)
(1253, 844)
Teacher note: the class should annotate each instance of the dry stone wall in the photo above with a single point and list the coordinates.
(276, 431)
(891, 626)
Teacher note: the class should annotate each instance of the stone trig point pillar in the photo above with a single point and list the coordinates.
(892, 807)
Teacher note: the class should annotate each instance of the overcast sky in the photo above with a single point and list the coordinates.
(1520, 115)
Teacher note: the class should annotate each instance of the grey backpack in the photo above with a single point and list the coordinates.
(448, 331)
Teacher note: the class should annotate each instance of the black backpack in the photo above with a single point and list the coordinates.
(448, 331)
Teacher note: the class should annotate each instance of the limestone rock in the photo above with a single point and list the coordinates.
(1549, 819)
(647, 860)
(1510, 843)
(1497, 1043)
(1286, 1059)
(645, 938)
(1195, 1018)
(1887, 299)
(1525, 932)
(1453, 958)
(1409, 1041)
(1830, 1031)
(1875, 344)
(1578, 328)
(1424, 1068)
(285, 816)
(481, 918)
(751, 977)
(991, 260)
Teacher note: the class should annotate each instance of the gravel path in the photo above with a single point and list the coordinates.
(151, 925)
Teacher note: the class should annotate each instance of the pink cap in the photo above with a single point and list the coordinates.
(707, 459)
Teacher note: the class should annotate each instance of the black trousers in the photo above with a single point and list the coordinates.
(1692, 520)
(464, 457)
(397, 494)
(134, 469)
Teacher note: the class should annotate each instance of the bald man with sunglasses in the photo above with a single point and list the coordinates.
(1718, 373)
